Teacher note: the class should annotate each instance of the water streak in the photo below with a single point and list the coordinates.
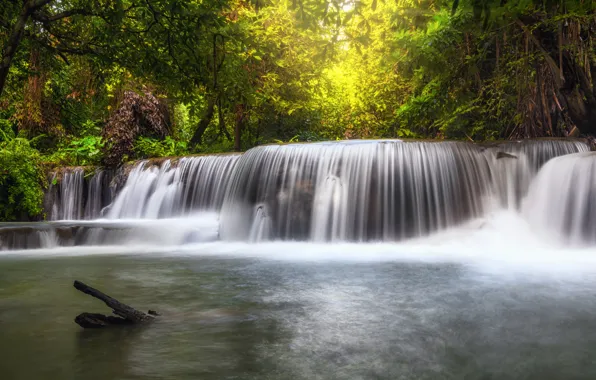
(194, 183)
(99, 194)
(68, 198)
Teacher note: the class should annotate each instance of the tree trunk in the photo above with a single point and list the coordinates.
(12, 44)
(222, 123)
(197, 137)
(238, 127)
(580, 97)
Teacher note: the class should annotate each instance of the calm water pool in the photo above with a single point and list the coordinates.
(250, 318)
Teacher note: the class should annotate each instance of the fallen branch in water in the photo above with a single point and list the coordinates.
(126, 315)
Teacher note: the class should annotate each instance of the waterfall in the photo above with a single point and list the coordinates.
(515, 164)
(67, 190)
(561, 205)
(376, 190)
(27, 238)
(99, 194)
(194, 183)
(359, 191)
(73, 194)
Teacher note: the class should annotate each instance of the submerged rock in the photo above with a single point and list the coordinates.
(505, 155)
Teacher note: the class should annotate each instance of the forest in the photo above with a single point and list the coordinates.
(103, 82)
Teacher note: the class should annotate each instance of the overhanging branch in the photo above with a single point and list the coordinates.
(59, 16)
(35, 5)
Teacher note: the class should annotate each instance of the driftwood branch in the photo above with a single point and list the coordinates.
(126, 315)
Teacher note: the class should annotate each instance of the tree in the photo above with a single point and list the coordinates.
(500, 69)
(16, 35)
(166, 43)
(37, 20)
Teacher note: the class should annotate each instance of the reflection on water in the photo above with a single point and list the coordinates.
(227, 318)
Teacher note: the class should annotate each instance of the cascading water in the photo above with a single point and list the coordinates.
(195, 183)
(137, 214)
(359, 191)
(68, 201)
(151, 194)
(99, 194)
(561, 205)
(515, 164)
(538, 152)
(75, 194)
(375, 190)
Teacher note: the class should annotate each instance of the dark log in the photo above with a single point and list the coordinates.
(126, 315)
(94, 320)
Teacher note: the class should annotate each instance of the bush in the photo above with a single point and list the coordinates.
(21, 181)
(79, 151)
(146, 147)
(6, 130)
(216, 147)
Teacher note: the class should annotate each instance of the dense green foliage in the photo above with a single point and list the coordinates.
(21, 180)
(147, 147)
(105, 81)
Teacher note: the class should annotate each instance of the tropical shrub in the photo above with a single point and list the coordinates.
(21, 181)
(79, 151)
(147, 147)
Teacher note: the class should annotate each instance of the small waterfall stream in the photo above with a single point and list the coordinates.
(72, 196)
(99, 194)
(514, 165)
(561, 205)
(350, 191)
(195, 183)
(68, 197)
